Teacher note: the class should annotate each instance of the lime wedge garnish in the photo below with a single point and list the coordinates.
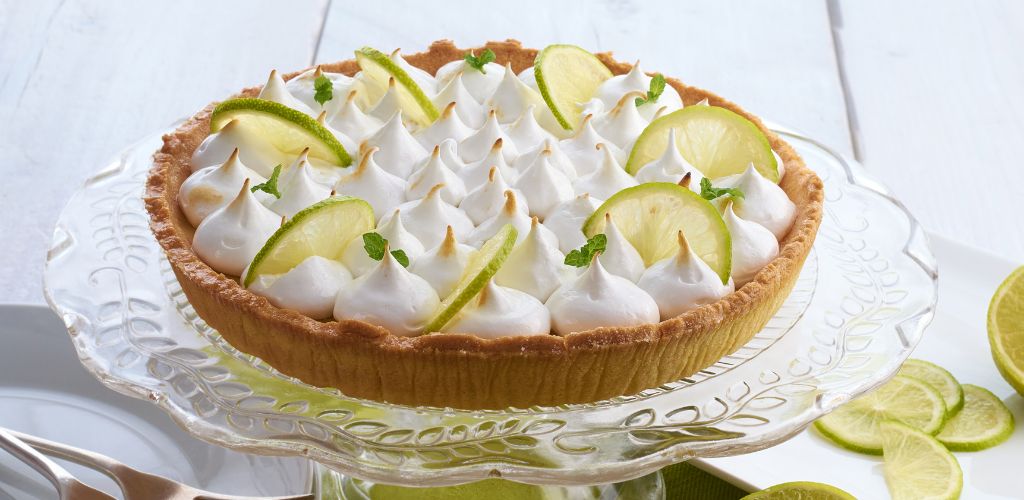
(415, 104)
(568, 77)
(855, 425)
(917, 465)
(482, 266)
(324, 228)
(1006, 329)
(940, 380)
(715, 140)
(651, 215)
(287, 130)
(800, 490)
(983, 422)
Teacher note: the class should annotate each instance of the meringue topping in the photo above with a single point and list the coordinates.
(623, 124)
(476, 173)
(210, 188)
(608, 179)
(216, 148)
(351, 121)
(582, 148)
(753, 246)
(544, 186)
(599, 299)
(486, 200)
(425, 80)
(501, 312)
(275, 90)
(299, 192)
(392, 229)
(478, 145)
(535, 266)
(670, 167)
(469, 110)
(510, 213)
(432, 173)
(382, 190)
(399, 150)
(566, 221)
(389, 104)
(763, 202)
(303, 88)
(512, 97)
(619, 256)
(443, 265)
(450, 155)
(447, 126)
(388, 296)
(309, 288)
(558, 158)
(479, 84)
(526, 133)
(636, 80)
(683, 282)
(230, 237)
(427, 218)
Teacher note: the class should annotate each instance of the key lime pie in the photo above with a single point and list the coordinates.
(482, 228)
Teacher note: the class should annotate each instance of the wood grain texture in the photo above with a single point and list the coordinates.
(937, 90)
(80, 80)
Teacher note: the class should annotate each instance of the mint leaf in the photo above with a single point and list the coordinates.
(478, 62)
(582, 256)
(709, 192)
(271, 185)
(657, 87)
(374, 244)
(324, 89)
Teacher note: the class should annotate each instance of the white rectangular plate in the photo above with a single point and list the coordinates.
(957, 340)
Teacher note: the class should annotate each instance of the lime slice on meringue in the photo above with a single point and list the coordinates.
(482, 266)
(287, 130)
(324, 229)
(717, 141)
(415, 103)
(568, 77)
(651, 215)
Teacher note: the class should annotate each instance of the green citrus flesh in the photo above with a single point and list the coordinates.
(1006, 329)
(415, 103)
(983, 422)
(800, 490)
(940, 380)
(917, 465)
(651, 215)
(482, 266)
(717, 141)
(287, 130)
(324, 228)
(568, 77)
(855, 425)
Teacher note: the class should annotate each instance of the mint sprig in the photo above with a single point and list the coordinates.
(582, 256)
(709, 192)
(478, 62)
(324, 89)
(657, 87)
(374, 244)
(271, 185)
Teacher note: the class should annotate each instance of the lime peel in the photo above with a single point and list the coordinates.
(1006, 329)
(421, 109)
(323, 143)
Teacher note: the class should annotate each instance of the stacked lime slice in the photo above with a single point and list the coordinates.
(287, 130)
(380, 69)
(567, 77)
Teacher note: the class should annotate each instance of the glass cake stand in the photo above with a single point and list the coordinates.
(859, 307)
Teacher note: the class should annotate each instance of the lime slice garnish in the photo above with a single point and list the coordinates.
(651, 215)
(1006, 329)
(324, 228)
(800, 490)
(917, 465)
(940, 380)
(983, 422)
(416, 106)
(715, 140)
(288, 130)
(482, 266)
(567, 77)
(855, 425)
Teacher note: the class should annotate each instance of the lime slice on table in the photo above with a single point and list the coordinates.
(717, 141)
(940, 380)
(568, 77)
(855, 425)
(380, 68)
(491, 489)
(917, 465)
(1006, 329)
(287, 130)
(651, 215)
(324, 228)
(800, 490)
(482, 266)
(983, 423)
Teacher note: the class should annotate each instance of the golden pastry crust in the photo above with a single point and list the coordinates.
(464, 371)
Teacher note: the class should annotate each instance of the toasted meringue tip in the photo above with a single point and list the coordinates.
(351, 95)
(233, 158)
(321, 119)
(318, 71)
(448, 109)
(449, 243)
(497, 144)
(685, 181)
(627, 98)
(510, 202)
(434, 190)
(436, 152)
(491, 173)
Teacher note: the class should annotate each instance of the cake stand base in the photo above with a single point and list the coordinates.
(332, 485)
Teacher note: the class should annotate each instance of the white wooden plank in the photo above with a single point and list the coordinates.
(937, 91)
(80, 80)
(775, 58)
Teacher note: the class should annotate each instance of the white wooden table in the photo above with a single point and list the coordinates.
(929, 95)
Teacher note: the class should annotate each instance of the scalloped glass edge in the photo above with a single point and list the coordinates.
(635, 427)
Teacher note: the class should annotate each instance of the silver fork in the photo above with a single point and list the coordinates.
(135, 484)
